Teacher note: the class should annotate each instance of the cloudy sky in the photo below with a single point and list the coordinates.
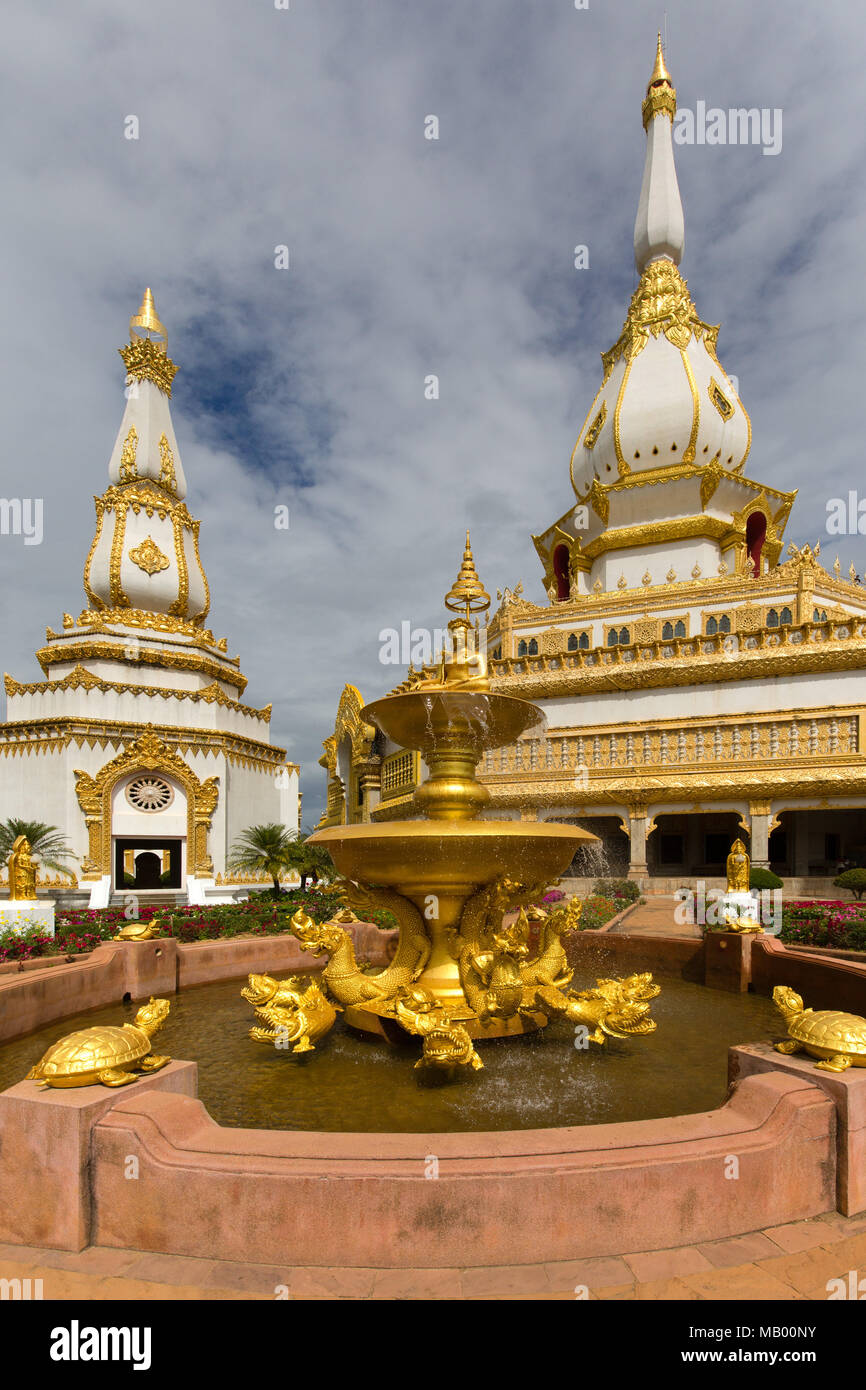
(305, 127)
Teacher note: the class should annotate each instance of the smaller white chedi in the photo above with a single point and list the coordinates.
(136, 745)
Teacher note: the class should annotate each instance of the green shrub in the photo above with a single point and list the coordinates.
(853, 879)
(616, 888)
(764, 878)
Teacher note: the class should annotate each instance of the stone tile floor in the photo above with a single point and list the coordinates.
(792, 1262)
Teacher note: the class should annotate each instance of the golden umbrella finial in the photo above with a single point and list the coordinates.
(661, 94)
(146, 319)
(467, 594)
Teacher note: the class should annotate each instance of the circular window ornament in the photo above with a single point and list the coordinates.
(149, 794)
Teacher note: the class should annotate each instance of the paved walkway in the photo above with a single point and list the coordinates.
(792, 1262)
(655, 917)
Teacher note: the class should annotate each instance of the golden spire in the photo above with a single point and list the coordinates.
(146, 358)
(467, 594)
(661, 94)
(146, 319)
(659, 72)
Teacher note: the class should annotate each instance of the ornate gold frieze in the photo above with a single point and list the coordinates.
(81, 678)
(128, 469)
(91, 649)
(149, 557)
(147, 360)
(34, 736)
(103, 621)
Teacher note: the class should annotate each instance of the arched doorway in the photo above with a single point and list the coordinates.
(756, 531)
(561, 573)
(149, 822)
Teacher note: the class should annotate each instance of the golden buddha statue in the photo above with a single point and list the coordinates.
(737, 867)
(22, 872)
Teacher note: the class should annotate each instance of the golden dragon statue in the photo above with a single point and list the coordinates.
(345, 979)
(445, 1041)
(294, 1010)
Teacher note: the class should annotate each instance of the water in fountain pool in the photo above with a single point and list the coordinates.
(358, 1083)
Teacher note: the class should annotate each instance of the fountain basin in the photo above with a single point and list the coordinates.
(437, 865)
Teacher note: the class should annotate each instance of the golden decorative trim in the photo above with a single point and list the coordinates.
(711, 478)
(82, 679)
(167, 478)
(91, 596)
(139, 617)
(113, 651)
(149, 557)
(118, 597)
(689, 455)
(658, 103)
(178, 608)
(56, 734)
(128, 469)
(661, 304)
(147, 360)
(202, 614)
(624, 468)
(595, 428)
(600, 505)
(695, 661)
(719, 399)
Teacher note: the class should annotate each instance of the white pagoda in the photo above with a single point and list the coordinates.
(136, 745)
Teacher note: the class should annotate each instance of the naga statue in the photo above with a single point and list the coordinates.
(345, 979)
(295, 1011)
(446, 1043)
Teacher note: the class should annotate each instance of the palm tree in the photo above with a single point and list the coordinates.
(310, 861)
(46, 842)
(264, 849)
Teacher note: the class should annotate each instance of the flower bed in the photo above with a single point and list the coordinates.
(840, 925)
(598, 910)
(79, 930)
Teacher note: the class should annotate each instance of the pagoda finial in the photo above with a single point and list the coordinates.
(659, 72)
(661, 94)
(659, 229)
(146, 319)
(467, 594)
(146, 356)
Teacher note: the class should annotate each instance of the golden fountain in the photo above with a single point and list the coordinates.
(450, 878)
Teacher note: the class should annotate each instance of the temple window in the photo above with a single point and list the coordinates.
(532, 649)
(756, 531)
(680, 629)
(772, 618)
(785, 617)
(667, 632)
(583, 641)
(521, 648)
(572, 641)
(819, 615)
(561, 573)
(720, 623)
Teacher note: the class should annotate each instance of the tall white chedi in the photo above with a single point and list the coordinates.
(136, 743)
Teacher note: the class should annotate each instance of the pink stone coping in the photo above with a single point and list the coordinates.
(364, 1199)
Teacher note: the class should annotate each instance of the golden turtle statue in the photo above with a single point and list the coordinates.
(103, 1054)
(136, 931)
(838, 1039)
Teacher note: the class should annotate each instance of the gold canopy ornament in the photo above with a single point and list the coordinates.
(467, 593)
(146, 358)
(661, 94)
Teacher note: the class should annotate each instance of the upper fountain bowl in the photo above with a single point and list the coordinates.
(436, 717)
